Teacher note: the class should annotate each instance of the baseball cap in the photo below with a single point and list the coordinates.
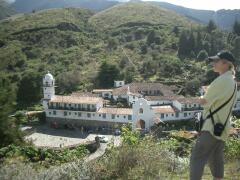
(226, 55)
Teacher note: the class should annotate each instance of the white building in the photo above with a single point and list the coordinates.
(151, 103)
(80, 110)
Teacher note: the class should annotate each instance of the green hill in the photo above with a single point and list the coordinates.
(138, 12)
(145, 43)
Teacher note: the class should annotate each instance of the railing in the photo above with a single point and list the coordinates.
(73, 109)
(192, 109)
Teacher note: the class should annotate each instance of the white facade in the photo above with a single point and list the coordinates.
(48, 89)
(142, 112)
(90, 116)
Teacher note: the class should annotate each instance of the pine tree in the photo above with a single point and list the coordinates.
(183, 45)
(236, 48)
(151, 37)
(211, 26)
(236, 28)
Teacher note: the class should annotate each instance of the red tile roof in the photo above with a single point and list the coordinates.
(76, 99)
(164, 109)
(124, 111)
(140, 87)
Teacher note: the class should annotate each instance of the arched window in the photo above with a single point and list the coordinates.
(141, 110)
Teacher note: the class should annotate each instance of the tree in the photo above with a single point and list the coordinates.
(192, 87)
(236, 48)
(183, 45)
(107, 74)
(202, 55)
(236, 28)
(29, 89)
(129, 74)
(211, 26)
(176, 30)
(151, 37)
(199, 42)
(9, 130)
(112, 43)
(68, 81)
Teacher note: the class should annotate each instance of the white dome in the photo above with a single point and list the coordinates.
(49, 76)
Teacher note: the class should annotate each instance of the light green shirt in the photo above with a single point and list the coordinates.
(219, 91)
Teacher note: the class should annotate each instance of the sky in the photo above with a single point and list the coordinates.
(205, 4)
(200, 4)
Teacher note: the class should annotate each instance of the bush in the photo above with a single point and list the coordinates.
(147, 159)
(232, 148)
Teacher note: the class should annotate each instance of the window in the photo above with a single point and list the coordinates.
(172, 114)
(104, 116)
(69, 113)
(194, 105)
(88, 115)
(99, 115)
(117, 115)
(141, 110)
(79, 114)
(166, 115)
(54, 112)
(162, 116)
(124, 117)
(113, 116)
(129, 117)
(75, 113)
(65, 113)
(50, 113)
(185, 114)
(133, 97)
(177, 114)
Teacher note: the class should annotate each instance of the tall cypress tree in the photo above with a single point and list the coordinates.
(183, 45)
(236, 28)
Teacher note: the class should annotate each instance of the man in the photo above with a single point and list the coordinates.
(210, 143)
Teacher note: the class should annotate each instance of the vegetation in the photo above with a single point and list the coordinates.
(85, 50)
(42, 156)
(151, 158)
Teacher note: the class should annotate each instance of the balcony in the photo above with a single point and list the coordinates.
(192, 109)
(73, 109)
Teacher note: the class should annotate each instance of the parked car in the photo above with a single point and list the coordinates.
(117, 132)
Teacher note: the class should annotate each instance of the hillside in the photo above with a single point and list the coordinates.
(30, 5)
(5, 9)
(138, 12)
(224, 19)
(143, 42)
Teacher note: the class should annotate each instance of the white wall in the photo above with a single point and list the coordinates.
(121, 118)
(147, 115)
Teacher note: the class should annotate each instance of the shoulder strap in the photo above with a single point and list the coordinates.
(212, 113)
